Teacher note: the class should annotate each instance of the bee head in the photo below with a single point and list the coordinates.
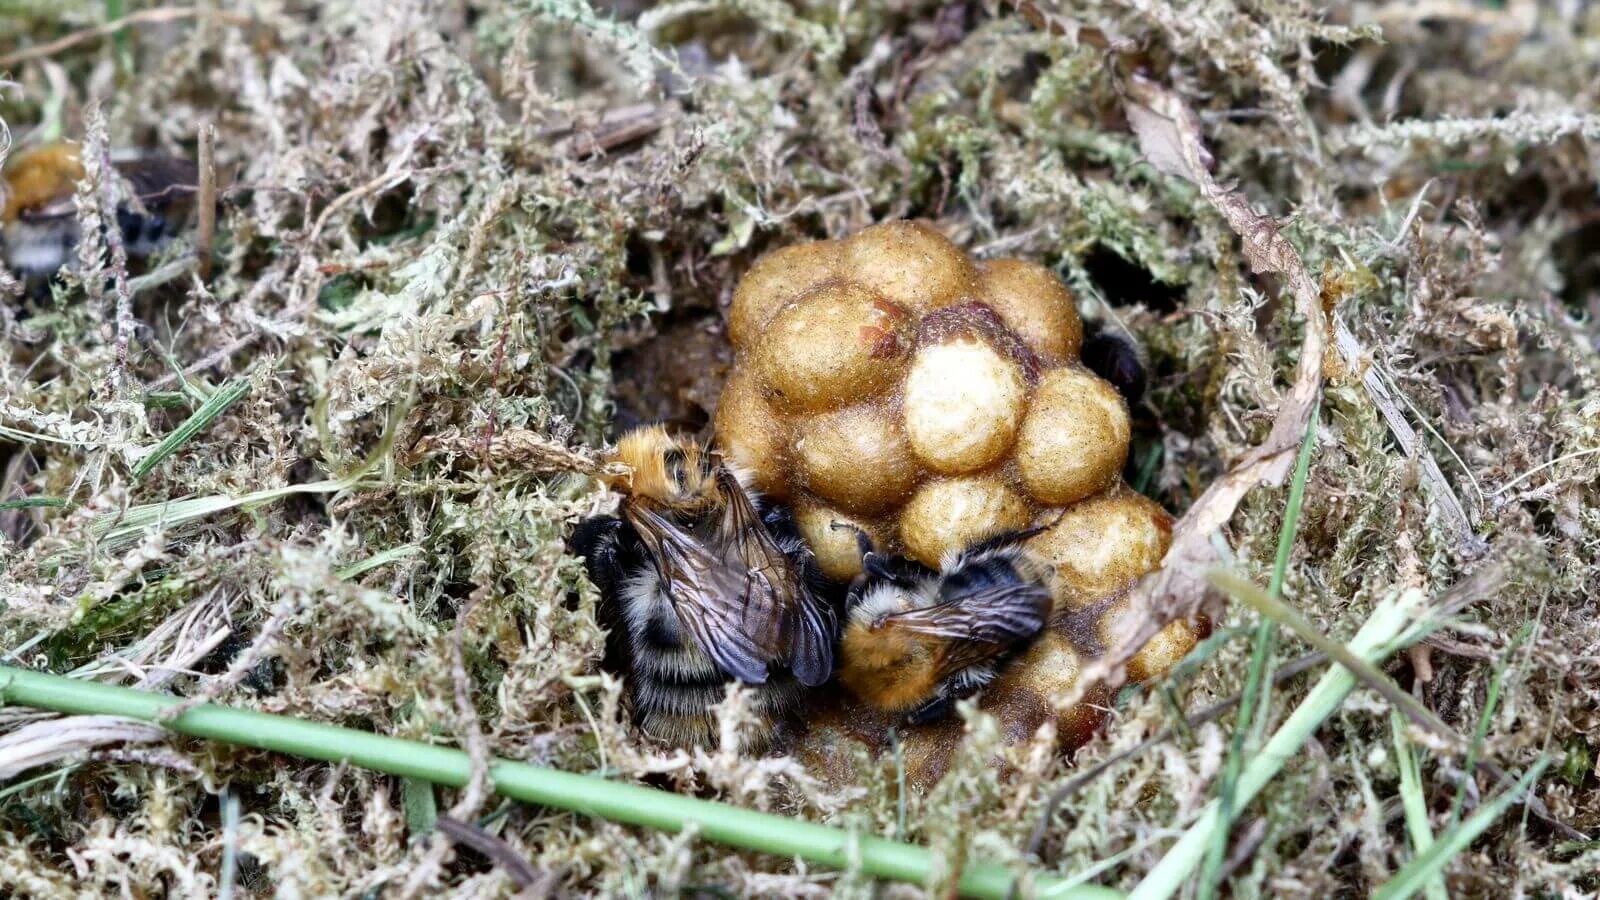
(39, 175)
(664, 469)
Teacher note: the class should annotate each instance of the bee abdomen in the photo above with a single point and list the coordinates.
(679, 712)
(654, 696)
(981, 575)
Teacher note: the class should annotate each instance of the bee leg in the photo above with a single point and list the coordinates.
(931, 711)
(780, 521)
(863, 540)
(607, 551)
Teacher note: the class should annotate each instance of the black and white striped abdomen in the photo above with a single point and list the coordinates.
(672, 683)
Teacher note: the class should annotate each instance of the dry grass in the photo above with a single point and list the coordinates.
(454, 220)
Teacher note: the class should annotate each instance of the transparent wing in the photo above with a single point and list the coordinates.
(708, 595)
(787, 619)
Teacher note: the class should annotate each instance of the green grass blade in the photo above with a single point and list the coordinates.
(422, 810)
(1429, 865)
(1481, 734)
(584, 794)
(1414, 804)
(378, 560)
(1280, 565)
(1241, 589)
(197, 422)
(31, 503)
(1375, 639)
(120, 40)
(1253, 712)
(117, 530)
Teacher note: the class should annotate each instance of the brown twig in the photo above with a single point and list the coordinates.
(1209, 714)
(501, 853)
(616, 128)
(1169, 137)
(522, 447)
(157, 16)
(206, 228)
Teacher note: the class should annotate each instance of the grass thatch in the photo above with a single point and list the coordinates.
(478, 219)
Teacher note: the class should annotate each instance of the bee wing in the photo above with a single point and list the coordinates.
(994, 615)
(811, 640)
(978, 624)
(795, 625)
(707, 594)
(159, 180)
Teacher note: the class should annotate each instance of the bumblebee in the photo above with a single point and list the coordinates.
(1116, 359)
(700, 588)
(39, 223)
(917, 640)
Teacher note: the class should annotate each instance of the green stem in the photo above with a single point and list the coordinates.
(585, 794)
(1429, 865)
(1375, 639)
(1253, 711)
(1412, 800)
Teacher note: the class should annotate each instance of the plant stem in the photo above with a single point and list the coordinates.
(1375, 638)
(1430, 864)
(1254, 711)
(585, 794)
(1412, 800)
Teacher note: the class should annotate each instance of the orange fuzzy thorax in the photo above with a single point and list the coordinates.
(40, 175)
(888, 667)
(649, 453)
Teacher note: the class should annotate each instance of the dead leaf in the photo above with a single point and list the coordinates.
(52, 740)
(1169, 135)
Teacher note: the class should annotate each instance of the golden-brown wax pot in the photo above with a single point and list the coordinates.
(890, 383)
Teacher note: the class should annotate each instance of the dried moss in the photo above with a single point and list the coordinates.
(465, 218)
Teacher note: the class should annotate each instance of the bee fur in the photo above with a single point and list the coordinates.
(672, 679)
(1115, 358)
(916, 640)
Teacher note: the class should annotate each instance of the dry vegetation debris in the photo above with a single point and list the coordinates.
(448, 226)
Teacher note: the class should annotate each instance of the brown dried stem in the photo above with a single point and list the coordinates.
(156, 16)
(1169, 135)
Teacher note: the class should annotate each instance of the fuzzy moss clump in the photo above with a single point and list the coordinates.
(447, 225)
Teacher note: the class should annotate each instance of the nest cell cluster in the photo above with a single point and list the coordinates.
(889, 383)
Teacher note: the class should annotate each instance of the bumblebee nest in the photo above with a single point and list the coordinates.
(486, 220)
(888, 385)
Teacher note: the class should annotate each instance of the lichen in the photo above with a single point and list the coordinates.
(470, 219)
